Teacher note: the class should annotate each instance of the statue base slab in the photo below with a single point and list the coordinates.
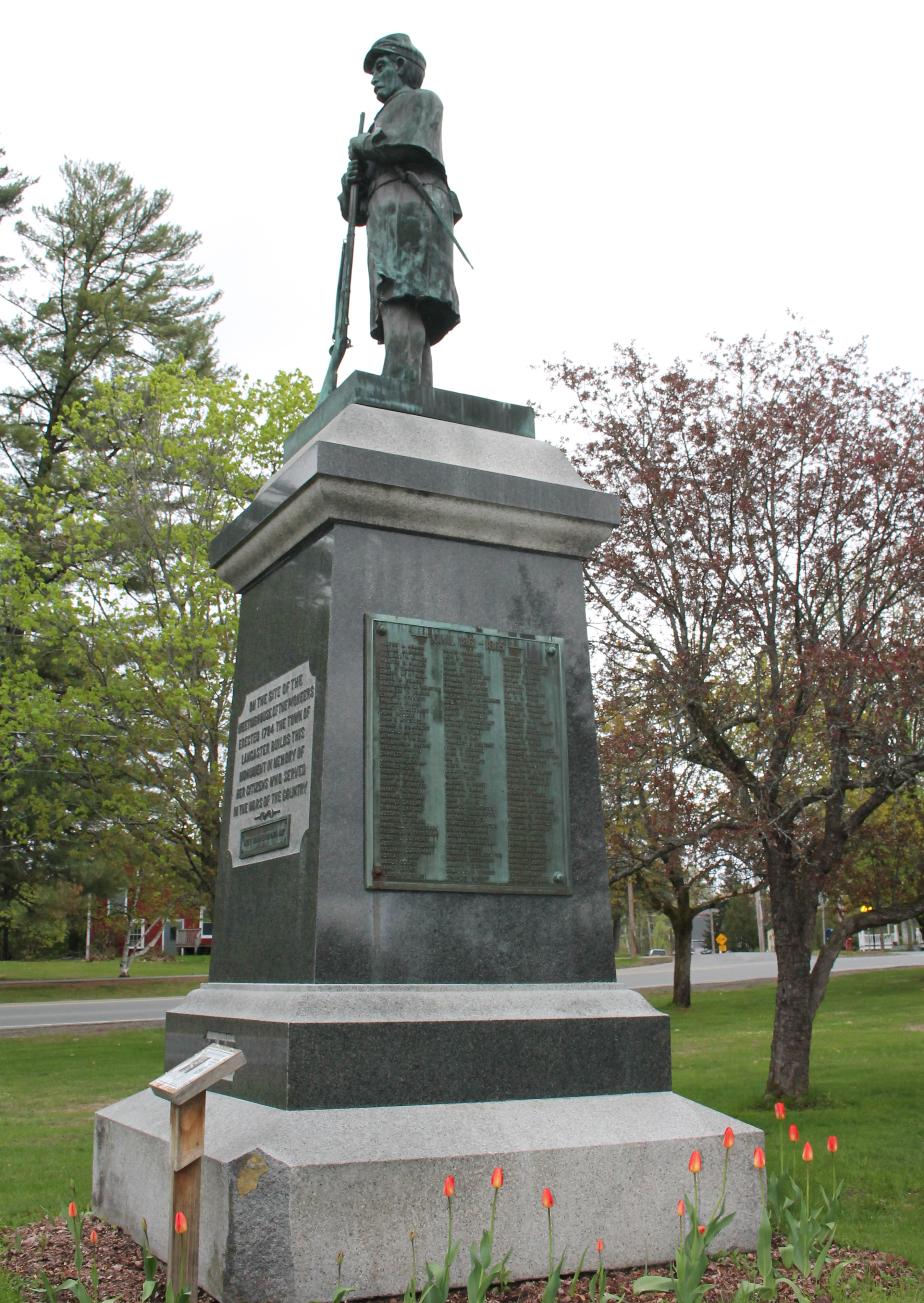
(284, 1191)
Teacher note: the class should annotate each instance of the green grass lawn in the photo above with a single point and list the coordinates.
(104, 990)
(640, 961)
(867, 1082)
(867, 1073)
(66, 970)
(50, 1087)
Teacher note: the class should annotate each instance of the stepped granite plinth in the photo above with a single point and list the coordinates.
(412, 934)
(284, 1191)
(311, 1046)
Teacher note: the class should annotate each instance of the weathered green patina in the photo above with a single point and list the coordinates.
(466, 759)
(408, 210)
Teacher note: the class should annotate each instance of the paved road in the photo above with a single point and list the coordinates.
(85, 1013)
(713, 970)
(706, 970)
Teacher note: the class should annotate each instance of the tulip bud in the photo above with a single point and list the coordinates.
(701, 1229)
(547, 1199)
(696, 1162)
(599, 1246)
(497, 1178)
(760, 1158)
(779, 1110)
(180, 1224)
(793, 1132)
(807, 1154)
(94, 1238)
(728, 1138)
(72, 1209)
(449, 1187)
(681, 1208)
(832, 1144)
(340, 1257)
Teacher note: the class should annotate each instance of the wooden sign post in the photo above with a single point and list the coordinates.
(185, 1086)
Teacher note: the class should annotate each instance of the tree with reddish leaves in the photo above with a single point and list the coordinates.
(764, 595)
(669, 827)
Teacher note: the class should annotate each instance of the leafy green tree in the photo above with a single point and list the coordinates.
(117, 290)
(53, 775)
(738, 921)
(12, 187)
(157, 628)
(670, 830)
(766, 589)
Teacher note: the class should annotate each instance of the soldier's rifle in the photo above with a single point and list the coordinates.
(341, 339)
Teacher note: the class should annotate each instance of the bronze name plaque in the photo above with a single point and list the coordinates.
(466, 760)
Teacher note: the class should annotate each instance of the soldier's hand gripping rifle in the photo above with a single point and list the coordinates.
(341, 340)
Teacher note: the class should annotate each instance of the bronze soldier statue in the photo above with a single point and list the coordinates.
(408, 211)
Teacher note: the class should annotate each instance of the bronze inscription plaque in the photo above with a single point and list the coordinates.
(466, 763)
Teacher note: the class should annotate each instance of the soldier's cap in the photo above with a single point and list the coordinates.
(398, 43)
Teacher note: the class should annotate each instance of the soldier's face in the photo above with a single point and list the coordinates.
(386, 78)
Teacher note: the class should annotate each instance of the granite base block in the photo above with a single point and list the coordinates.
(310, 1046)
(283, 1191)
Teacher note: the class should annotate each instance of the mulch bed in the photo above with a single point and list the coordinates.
(46, 1247)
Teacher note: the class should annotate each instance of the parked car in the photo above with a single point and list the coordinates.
(657, 950)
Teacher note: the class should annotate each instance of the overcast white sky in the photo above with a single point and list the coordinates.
(649, 170)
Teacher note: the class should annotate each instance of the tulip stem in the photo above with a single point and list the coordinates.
(721, 1199)
(549, 1212)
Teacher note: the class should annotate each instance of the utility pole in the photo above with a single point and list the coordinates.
(89, 942)
(630, 911)
(759, 910)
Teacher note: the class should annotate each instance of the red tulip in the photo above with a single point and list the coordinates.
(180, 1224)
(72, 1209)
(760, 1158)
(599, 1246)
(793, 1132)
(832, 1144)
(807, 1154)
(449, 1186)
(779, 1110)
(696, 1162)
(728, 1138)
(497, 1178)
(548, 1200)
(701, 1229)
(94, 1238)
(681, 1208)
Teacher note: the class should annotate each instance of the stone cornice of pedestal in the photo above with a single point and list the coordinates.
(396, 470)
(406, 1003)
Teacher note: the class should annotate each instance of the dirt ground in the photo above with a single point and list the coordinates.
(46, 1247)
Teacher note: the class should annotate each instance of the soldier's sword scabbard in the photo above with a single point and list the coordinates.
(416, 184)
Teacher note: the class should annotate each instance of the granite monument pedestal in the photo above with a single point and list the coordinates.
(412, 936)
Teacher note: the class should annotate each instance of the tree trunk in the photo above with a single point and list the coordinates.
(794, 903)
(5, 941)
(682, 926)
(617, 929)
(630, 918)
(126, 958)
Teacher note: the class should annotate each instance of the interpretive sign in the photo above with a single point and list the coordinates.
(271, 780)
(466, 764)
(192, 1076)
